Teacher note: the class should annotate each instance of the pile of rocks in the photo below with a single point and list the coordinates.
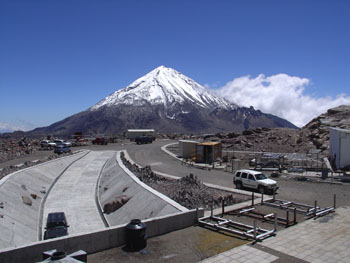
(187, 191)
(317, 130)
(283, 140)
(191, 193)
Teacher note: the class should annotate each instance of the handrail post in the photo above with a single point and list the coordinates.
(275, 222)
(223, 207)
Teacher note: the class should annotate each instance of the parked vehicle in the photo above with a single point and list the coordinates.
(56, 225)
(47, 144)
(101, 141)
(61, 149)
(254, 180)
(66, 143)
(143, 139)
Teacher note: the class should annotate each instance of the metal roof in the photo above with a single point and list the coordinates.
(188, 141)
(140, 130)
(339, 130)
(209, 143)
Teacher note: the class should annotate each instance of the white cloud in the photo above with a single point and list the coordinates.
(281, 95)
(6, 127)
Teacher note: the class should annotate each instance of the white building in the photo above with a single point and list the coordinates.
(339, 147)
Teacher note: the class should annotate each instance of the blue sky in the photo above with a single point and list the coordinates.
(59, 57)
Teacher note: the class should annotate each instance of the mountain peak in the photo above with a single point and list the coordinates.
(164, 86)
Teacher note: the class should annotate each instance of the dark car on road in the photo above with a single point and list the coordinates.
(61, 149)
(56, 225)
(143, 139)
(101, 141)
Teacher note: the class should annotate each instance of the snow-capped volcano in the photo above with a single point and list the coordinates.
(167, 101)
(167, 87)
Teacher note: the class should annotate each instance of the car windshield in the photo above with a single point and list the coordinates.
(260, 177)
(56, 225)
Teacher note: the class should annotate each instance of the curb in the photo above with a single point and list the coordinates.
(97, 197)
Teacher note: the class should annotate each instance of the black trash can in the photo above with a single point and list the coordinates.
(324, 173)
(135, 233)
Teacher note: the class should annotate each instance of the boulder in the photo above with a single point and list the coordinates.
(27, 200)
(247, 132)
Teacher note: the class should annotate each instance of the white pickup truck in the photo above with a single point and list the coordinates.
(254, 180)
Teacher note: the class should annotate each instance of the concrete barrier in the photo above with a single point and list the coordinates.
(99, 240)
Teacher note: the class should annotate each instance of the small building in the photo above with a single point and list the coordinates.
(187, 149)
(208, 152)
(133, 133)
(339, 147)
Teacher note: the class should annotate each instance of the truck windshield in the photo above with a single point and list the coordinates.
(260, 177)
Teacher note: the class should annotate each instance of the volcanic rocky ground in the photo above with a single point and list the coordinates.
(187, 191)
(314, 135)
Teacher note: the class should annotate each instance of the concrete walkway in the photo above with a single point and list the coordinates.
(322, 240)
(75, 194)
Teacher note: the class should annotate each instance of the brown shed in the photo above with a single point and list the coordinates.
(208, 152)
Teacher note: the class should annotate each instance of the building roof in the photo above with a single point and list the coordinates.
(209, 143)
(188, 141)
(140, 130)
(339, 130)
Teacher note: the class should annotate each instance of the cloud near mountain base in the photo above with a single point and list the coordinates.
(24, 126)
(281, 95)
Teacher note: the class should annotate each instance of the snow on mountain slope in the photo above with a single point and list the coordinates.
(164, 86)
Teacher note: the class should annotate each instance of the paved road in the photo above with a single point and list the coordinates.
(74, 193)
(151, 154)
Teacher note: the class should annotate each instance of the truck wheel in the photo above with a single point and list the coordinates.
(261, 189)
(239, 185)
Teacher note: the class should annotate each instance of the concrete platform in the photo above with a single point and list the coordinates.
(325, 239)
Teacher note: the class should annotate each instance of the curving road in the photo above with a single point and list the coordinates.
(151, 154)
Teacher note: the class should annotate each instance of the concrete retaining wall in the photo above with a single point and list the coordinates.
(99, 240)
